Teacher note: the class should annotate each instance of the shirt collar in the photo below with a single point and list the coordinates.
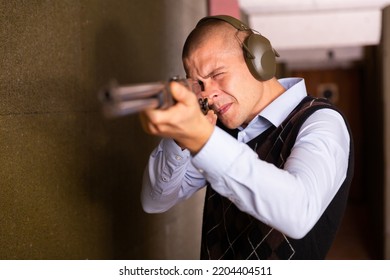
(278, 110)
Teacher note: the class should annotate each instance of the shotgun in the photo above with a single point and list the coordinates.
(122, 100)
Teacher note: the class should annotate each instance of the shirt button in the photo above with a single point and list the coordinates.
(178, 157)
(165, 179)
(201, 170)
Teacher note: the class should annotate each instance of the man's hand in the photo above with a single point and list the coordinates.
(184, 121)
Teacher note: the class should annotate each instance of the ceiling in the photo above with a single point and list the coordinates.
(317, 33)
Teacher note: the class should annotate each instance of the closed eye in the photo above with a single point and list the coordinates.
(217, 75)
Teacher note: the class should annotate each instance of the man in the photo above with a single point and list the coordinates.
(278, 188)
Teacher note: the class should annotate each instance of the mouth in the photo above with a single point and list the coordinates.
(223, 109)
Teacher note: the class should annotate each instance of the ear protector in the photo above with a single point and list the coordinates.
(259, 55)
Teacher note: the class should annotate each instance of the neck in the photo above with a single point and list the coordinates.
(271, 90)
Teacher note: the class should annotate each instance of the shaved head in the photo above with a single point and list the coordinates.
(214, 29)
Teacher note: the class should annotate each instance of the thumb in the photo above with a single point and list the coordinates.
(182, 94)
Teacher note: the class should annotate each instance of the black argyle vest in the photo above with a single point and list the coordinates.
(229, 233)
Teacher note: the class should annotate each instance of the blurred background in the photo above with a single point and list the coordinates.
(70, 179)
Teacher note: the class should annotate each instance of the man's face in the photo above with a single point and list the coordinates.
(233, 93)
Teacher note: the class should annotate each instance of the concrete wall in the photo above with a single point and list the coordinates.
(70, 179)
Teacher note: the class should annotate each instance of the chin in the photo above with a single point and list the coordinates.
(229, 124)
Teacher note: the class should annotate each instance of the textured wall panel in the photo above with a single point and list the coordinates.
(69, 179)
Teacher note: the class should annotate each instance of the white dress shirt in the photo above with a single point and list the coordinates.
(291, 199)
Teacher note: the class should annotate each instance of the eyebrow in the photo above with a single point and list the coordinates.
(213, 72)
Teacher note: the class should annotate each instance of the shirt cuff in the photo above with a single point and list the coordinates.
(209, 161)
(175, 155)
